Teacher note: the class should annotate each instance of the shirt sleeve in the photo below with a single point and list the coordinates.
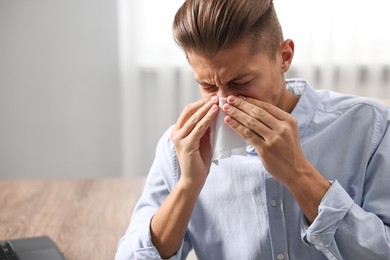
(346, 230)
(137, 244)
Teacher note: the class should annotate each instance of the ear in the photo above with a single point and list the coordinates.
(287, 54)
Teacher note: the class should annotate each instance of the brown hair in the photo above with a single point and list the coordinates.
(209, 26)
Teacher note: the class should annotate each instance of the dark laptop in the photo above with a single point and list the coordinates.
(34, 248)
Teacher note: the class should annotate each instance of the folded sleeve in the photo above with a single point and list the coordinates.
(344, 229)
(321, 233)
(137, 244)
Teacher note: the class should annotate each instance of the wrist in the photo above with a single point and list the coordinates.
(308, 188)
(189, 186)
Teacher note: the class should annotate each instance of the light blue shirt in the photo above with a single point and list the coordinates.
(243, 213)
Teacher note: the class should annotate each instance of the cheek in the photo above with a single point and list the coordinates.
(261, 90)
(266, 91)
(204, 93)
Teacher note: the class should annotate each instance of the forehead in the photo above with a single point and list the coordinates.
(222, 58)
(227, 63)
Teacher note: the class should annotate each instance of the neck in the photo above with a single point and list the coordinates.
(289, 101)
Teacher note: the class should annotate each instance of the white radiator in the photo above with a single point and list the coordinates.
(363, 80)
(167, 91)
(340, 45)
(159, 94)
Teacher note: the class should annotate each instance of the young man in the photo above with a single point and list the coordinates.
(314, 182)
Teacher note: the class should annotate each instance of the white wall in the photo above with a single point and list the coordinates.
(59, 89)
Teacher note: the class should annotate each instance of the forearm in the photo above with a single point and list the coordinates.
(170, 222)
(308, 189)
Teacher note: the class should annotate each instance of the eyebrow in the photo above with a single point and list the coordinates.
(238, 77)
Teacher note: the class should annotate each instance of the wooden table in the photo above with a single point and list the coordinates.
(86, 218)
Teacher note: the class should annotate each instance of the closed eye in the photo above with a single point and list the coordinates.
(239, 84)
(207, 87)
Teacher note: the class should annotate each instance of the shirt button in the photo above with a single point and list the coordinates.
(280, 256)
(274, 203)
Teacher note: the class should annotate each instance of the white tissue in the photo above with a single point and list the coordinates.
(224, 141)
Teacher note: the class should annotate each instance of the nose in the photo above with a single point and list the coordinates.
(224, 92)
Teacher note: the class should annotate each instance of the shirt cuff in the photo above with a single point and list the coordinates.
(149, 251)
(152, 254)
(333, 207)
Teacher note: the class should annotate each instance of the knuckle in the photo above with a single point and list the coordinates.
(260, 112)
(294, 121)
(252, 123)
(173, 132)
(273, 143)
(284, 129)
(247, 133)
(187, 108)
(277, 140)
(200, 126)
(193, 120)
(175, 139)
(241, 102)
(267, 105)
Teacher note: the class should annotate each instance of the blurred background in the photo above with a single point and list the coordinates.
(88, 87)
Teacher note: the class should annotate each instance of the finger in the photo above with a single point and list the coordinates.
(247, 120)
(271, 109)
(245, 132)
(253, 110)
(188, 111)
(195, 118)
(202, 126)
(283, 118)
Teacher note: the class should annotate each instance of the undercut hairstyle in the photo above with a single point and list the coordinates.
(209, 26)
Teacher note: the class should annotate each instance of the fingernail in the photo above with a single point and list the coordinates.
(226, 107)
(213, 98)
(228, 119)
(231, 98)
(242, 97)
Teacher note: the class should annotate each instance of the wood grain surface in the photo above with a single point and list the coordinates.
(86, 218)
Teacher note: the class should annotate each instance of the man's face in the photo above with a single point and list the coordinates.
(236, 71)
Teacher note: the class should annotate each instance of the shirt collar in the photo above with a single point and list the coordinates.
(306, 107)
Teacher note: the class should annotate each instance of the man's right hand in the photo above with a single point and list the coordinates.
(191, 137)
